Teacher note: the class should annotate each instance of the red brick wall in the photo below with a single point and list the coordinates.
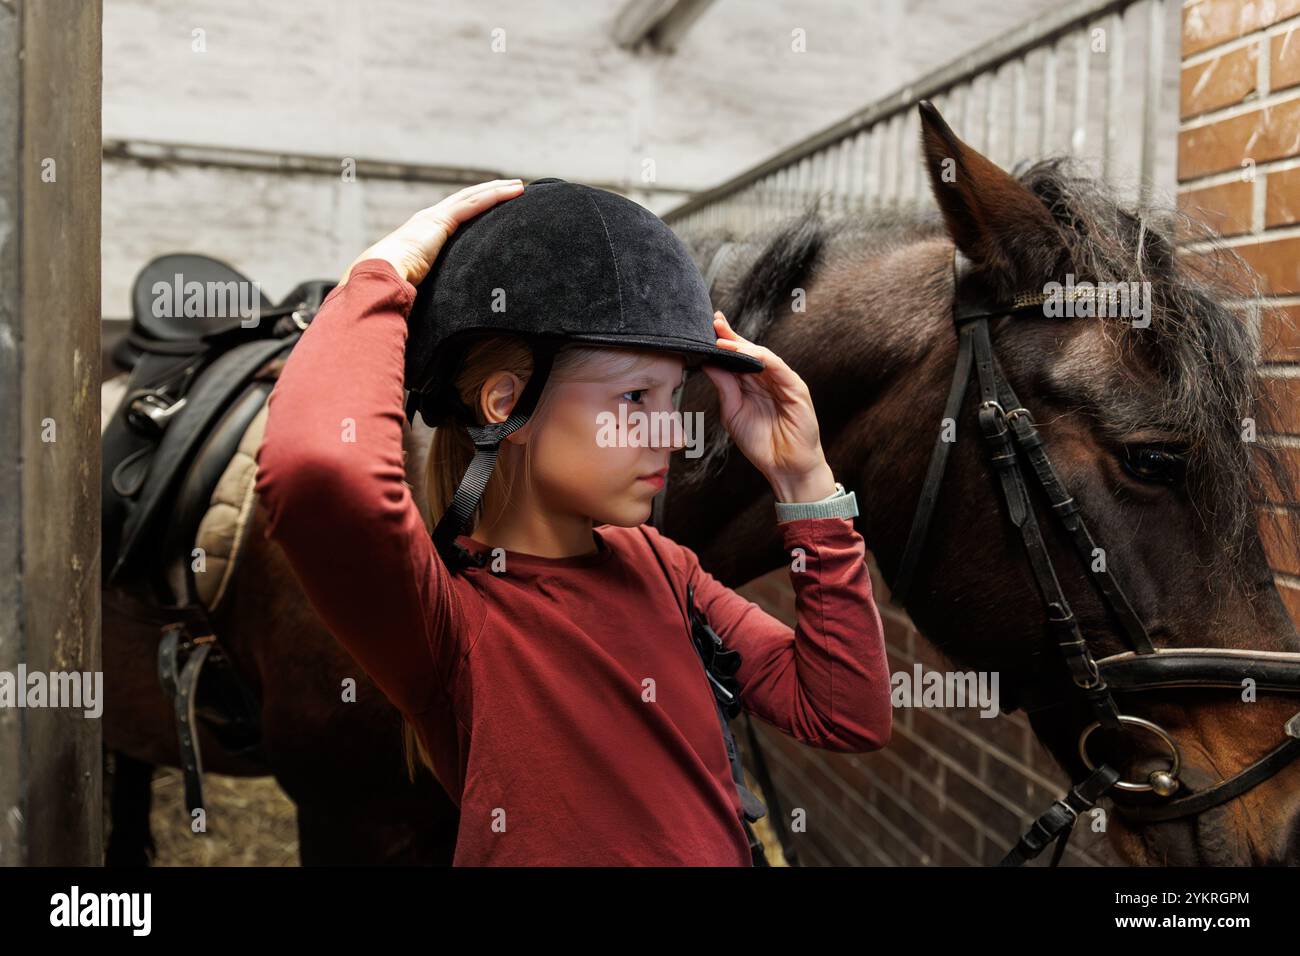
(951, 789)
(1239, 170)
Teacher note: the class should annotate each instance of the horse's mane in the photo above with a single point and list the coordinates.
(1205, 354)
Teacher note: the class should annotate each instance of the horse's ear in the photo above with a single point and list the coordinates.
(1000, 225)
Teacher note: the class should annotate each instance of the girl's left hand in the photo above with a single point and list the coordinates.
(770, 416)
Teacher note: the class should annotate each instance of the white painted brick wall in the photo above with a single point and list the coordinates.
(415, 81)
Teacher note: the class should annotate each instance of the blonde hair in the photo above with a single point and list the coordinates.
(452, 450)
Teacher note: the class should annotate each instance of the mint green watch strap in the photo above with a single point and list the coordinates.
(837, 505)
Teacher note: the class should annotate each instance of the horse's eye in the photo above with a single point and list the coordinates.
(1156, 463)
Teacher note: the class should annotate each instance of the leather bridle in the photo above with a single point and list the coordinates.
(1016, 450)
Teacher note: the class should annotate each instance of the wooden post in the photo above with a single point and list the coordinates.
(50, 145)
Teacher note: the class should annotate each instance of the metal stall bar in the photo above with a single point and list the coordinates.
(829, 165)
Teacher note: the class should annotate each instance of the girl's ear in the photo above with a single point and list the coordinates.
(498, 395)
(999, 224)
(508, 391)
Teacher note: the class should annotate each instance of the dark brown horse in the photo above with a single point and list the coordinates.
(876, 347)
(1145, 424)
(341, 764)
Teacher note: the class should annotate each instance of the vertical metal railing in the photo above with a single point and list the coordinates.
(1098, 66)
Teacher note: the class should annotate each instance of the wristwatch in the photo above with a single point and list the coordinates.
(837, 505)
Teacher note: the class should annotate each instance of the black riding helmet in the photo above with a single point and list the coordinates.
(559, 263)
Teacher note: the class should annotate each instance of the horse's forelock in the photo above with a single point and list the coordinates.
(1202, 356)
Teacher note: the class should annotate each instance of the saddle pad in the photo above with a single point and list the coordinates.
(207, 400)
(224, 529)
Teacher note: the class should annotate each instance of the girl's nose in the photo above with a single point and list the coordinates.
(674, 433)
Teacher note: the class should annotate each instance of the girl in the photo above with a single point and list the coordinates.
(553, 691)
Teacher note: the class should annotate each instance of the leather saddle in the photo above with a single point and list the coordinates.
(202, 353)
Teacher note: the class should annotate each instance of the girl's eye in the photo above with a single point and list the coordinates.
(635, 391)
(1155, 463)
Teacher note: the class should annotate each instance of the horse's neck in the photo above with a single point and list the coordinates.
(893, 377)
(898, 307)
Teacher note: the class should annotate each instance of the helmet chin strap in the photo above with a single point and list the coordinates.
(487, 443)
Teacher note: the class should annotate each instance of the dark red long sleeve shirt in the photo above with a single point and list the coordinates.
(562, 702)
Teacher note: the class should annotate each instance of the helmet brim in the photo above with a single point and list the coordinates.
(695, 353)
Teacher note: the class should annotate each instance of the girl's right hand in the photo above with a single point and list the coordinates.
(412, 246)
